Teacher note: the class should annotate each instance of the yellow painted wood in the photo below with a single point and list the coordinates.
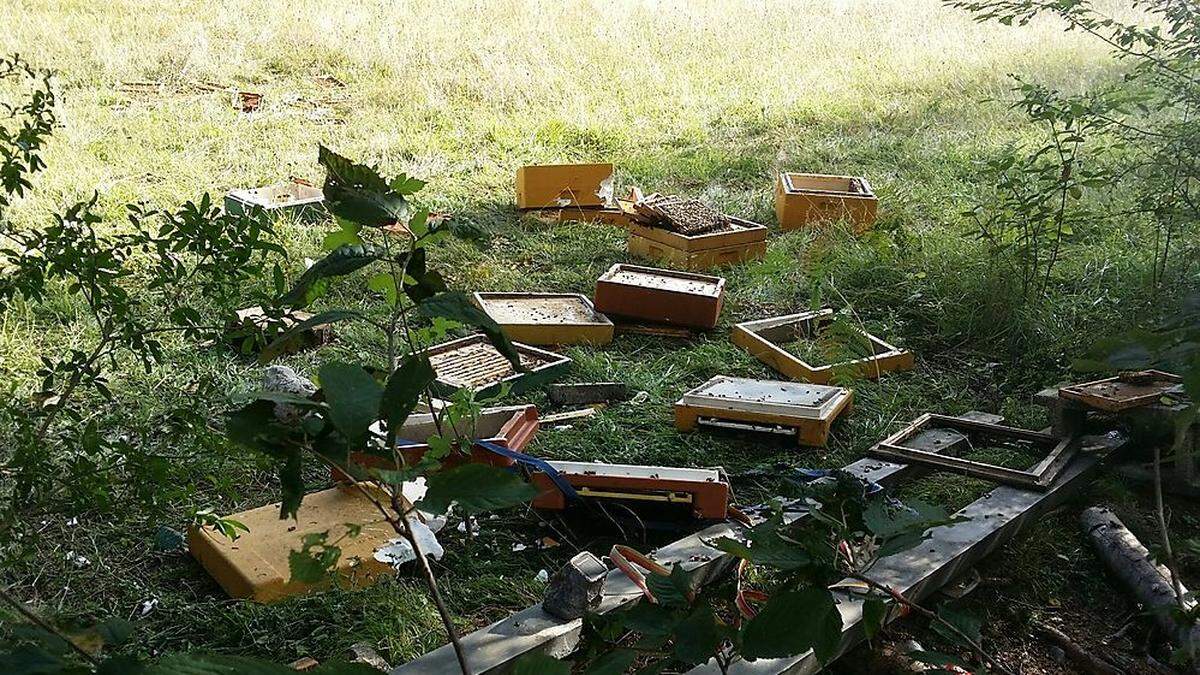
(826, 202)
(255, 567)
(695, 260)
(558, 185)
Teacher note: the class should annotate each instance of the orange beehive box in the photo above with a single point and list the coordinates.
(561, 185)
(704, 490)
(805, 199)
(255, 567)
(660, 295)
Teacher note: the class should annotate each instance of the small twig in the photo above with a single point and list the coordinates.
(37, 621)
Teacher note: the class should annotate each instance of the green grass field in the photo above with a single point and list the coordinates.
(708, 99)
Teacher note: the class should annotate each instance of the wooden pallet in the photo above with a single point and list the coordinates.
(763, 339)
(994, 519)
(806, 411)
(547, 318)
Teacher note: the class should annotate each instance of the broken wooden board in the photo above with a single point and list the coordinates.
(473, 363)
(1126, 391)
(807, 411)
(547, 318)
(807, 199)
(765, 340)
(494, 648)
(992, 521)
(899, 448)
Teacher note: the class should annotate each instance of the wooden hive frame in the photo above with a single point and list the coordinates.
(899, 447)
(763, 337)
(810, 424)
(545, 330)
(473, 363)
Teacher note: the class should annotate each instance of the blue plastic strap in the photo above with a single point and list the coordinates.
(535, 463)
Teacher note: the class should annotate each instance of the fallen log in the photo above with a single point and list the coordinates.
(1150, 583)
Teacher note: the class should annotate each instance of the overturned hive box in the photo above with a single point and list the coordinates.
(768, 340)
(701, 493)
(660, 295)
(806, 411)
(294, 197)
(547, 318)
(255, 567)
(473, 363)
(556, 186)
(804, 199)
(742, 240)
(511, 427)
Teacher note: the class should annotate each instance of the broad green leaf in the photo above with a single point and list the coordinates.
(475, 488)
(357, 193)
(406, 185)
(353, 397)
(699, 636)
(420, 282)
(245, 425)
(965, 623)
(312, 564)
(347, 234)
(875, 612)
(384, 284)
(403, 390)
(770, 551)
(540, 664)
(791, 623)
(339, 262)
(673, 590)
(291, 483)
(615, 662)
(457, 306)
(647, 618)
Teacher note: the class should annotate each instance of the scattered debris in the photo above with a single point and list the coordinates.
(660, 295)
(767, 339)
(582, 413)
(473, 363)
(1150, 582)
(247, 101)
(587, 392)
(304, 663)
(576, 587)
(564, 185)
(806, 411)
(147, 606)
(361, 652)
(396, 552)
(78, 560)
(547, 318)
(542, 576)
(806, 199)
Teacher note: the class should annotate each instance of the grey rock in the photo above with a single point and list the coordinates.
(361, 652)
(285, 380)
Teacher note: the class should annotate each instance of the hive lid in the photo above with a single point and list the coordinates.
(794, 399)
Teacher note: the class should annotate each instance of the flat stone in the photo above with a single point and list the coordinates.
(576, 587)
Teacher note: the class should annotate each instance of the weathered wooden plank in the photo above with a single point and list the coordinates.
(992, 521)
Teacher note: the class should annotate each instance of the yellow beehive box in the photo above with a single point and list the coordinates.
(255, 566)
(806, 199)
(547, 186)
(547, 318)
